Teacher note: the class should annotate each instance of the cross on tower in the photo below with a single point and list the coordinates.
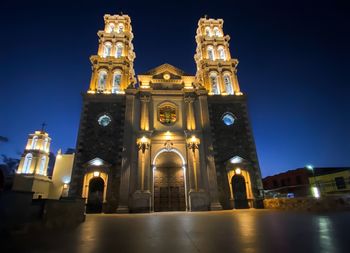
(43, 126)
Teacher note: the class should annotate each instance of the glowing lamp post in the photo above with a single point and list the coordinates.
(142, 145)
(193, 144)
(315, 189)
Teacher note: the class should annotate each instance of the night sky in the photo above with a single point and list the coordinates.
(294, 67)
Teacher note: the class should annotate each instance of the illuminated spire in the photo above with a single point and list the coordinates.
(113, 66)
(216, 70)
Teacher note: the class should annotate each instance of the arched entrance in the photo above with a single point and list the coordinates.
(95, 195)
(239, 191)
(169, 182)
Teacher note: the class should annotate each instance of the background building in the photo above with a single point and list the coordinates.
(172, 141)
(299, 182)
(293, 182)
(331, 181)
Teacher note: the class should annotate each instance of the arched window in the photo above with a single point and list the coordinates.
(42, 165)
(221, 52)
(119, 50)
(45, 144)
(210, 53)
(120, 28)
(111, 27)
(117, 77)
(216, 31)
(207, 31)
(27, 162)
(34, 142)
(102, 78)
(228, 84)
(107, 47)
(214, 83)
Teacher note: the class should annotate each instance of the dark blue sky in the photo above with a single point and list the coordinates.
(294, 67)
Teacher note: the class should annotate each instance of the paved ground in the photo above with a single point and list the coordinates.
(226, 231)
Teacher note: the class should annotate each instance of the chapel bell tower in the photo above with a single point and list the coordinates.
(31, 175)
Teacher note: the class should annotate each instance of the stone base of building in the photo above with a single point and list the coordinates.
(215, 206)
(38, 184)
(122, 209)
(199, 200)
(329, 203)
(141, 202)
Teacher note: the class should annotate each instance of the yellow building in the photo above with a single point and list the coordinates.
(330, 181)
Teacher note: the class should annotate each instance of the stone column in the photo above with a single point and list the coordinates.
(221, 83)
(208, 150)
(128, 149)
(144, 122)
(109, 80)
(113, 49)
(93, 80)
(235, 82)
(191, 121)
(100, 48)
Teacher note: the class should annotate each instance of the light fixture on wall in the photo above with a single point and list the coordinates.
(168, 144)
(96, 174)
(193, 143)
(167, 135)
(238, 171)
(143, 143)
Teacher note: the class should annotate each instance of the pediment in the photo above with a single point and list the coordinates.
(166, 68)
(165, 77)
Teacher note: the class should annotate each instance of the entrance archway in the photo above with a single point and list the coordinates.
(95, 196)
(239, 191)
(169, 182)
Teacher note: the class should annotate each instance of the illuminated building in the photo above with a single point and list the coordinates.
(168, 140)
(32, 170)
(31, 174)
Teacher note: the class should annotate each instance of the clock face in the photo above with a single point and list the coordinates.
(166, 76)
(104, 120)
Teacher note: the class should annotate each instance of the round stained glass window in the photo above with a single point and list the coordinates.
(104, 120)
(228, 119)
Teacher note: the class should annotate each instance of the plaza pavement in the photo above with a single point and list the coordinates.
(220, 231)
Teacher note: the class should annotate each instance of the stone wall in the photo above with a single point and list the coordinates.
(19, 212)
(233, 140)
(105, 143)
(65, 213)
(329, 203)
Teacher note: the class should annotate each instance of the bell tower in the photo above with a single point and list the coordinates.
(113, 66)
(100, 149)
(216, 70)
(31, 175)
(35, 158)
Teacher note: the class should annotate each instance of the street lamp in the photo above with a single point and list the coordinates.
(193, 144)
(315, 190)
(142, 145)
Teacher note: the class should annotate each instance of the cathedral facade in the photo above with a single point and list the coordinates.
(165, 140)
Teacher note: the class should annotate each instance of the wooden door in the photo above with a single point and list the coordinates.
(169, 190)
